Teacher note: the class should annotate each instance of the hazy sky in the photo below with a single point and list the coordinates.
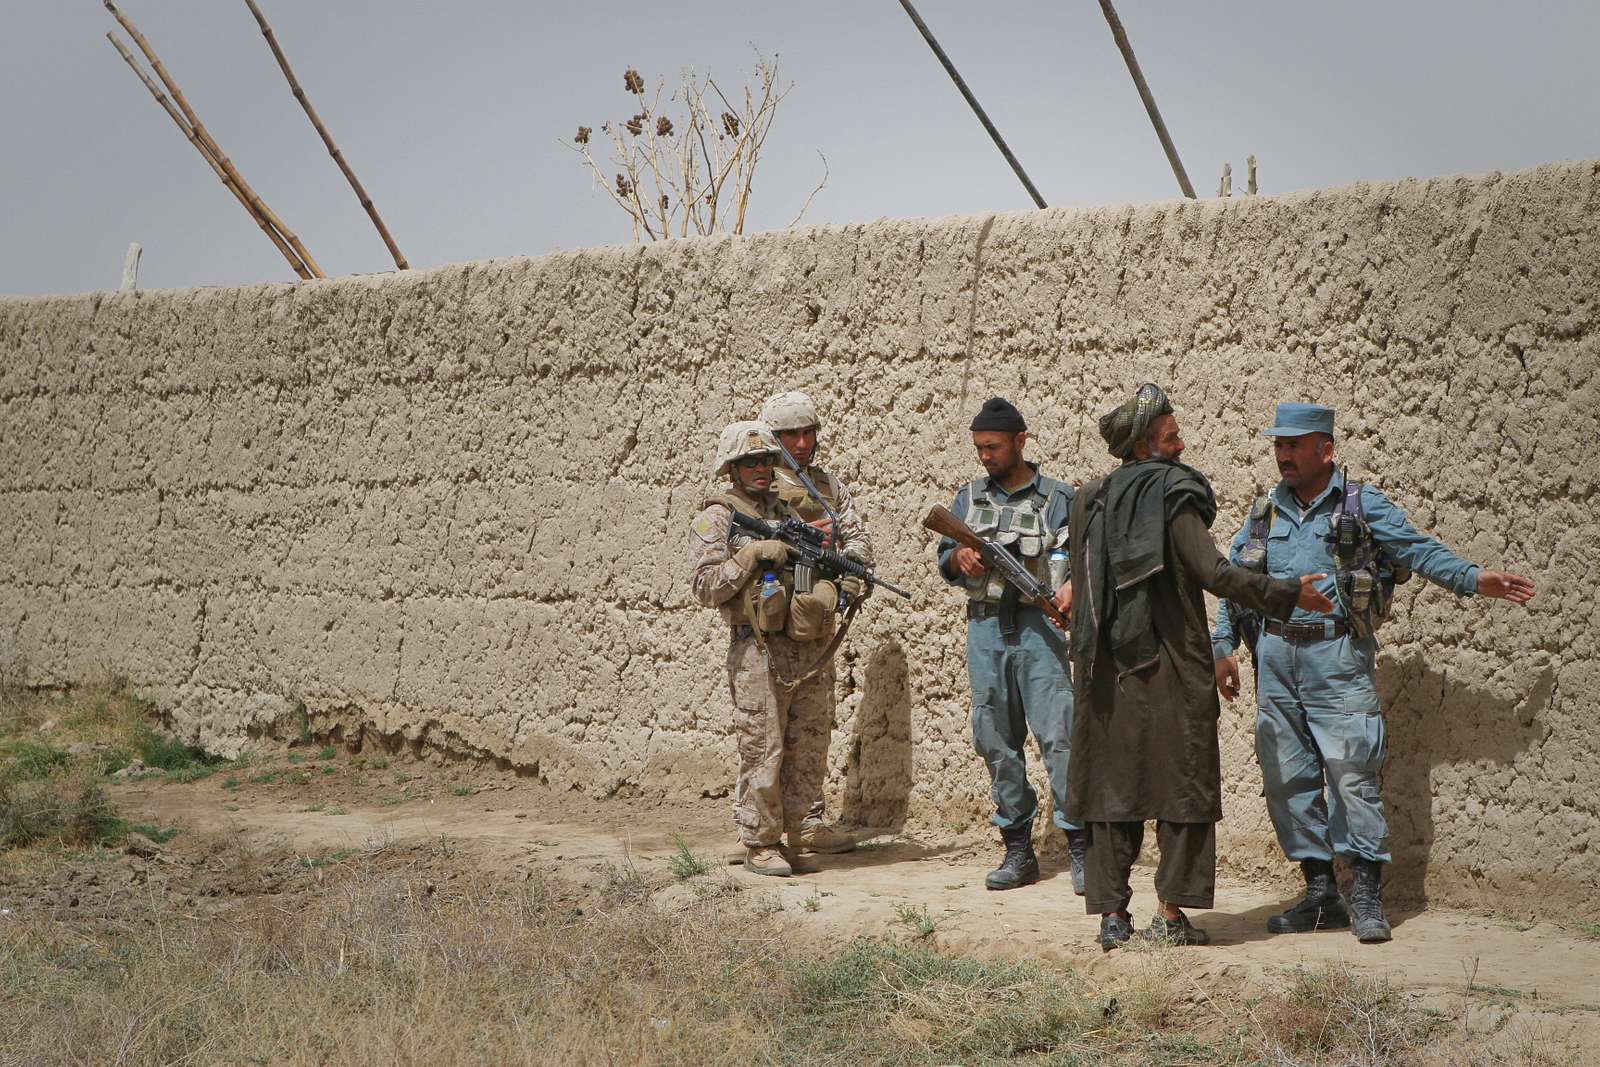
(453, 114)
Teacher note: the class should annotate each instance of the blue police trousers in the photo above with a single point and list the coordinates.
(1320, 742)
(1020, 681)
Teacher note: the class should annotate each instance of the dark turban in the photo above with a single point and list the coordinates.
(999, 414)
(1123, 426)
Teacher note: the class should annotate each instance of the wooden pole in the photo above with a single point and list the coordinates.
(1225, 185)
(972, 101)
(1121, 37)
(130, 268)
(322, 131)
(1250, 162)
(188, 131)
(211, 145)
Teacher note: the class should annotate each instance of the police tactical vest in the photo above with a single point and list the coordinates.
(1019, 525)
(1364, 576)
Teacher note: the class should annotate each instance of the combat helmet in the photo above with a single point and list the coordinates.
(790, 411)
(740, 439)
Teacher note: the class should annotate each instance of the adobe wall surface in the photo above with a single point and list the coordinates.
(448, 507)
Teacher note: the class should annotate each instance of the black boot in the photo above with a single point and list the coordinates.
(1322, 909)
(1077, 848)
(1366, 900)
(1020, 866)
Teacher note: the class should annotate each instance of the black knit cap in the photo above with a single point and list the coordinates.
(999, 414)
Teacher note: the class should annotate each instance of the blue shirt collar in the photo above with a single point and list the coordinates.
(996, 489)
(1284, 497)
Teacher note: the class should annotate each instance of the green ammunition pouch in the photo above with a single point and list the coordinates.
(1364, 577)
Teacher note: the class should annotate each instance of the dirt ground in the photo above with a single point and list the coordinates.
(275, 827)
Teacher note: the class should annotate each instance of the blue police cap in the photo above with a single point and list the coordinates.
(1295, 420)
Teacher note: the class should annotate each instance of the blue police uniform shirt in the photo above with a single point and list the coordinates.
(1058, 508)
(1297, 544)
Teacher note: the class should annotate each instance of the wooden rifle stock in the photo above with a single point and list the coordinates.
(941, 520)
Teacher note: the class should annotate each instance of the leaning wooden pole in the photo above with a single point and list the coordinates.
(322, 131)
(210, 143)
(1149, 99)
(972, 101)
(188, 131)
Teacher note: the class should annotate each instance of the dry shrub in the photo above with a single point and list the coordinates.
(68, 808)
(386, 969)
(1336, 1015)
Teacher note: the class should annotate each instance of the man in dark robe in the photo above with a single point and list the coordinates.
(1144, 741)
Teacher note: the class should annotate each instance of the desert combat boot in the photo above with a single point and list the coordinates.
(767, 859)
(1322, 909)
(820, 837)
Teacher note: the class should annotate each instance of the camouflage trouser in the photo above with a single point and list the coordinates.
(783, 736)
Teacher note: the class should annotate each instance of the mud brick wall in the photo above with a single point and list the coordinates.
(447, 508)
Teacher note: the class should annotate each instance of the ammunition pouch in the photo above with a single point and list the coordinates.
(1019, 527)
(811, 614)
(1364, 576)
(1252, 556)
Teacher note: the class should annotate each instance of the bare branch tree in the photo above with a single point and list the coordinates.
(692, 170)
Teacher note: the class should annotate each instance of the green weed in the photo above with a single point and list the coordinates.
(27, 760)
(685, 863)
(153, 832)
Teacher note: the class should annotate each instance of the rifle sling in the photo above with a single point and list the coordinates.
(789, 686)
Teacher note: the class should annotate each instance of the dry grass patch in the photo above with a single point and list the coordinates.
(406, 955)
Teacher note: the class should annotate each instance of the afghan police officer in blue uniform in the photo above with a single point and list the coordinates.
(1319, 729)
(1016, 658)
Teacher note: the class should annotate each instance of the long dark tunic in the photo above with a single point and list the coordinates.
(1144, 746)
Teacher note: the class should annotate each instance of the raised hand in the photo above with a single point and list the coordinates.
(1501, 585)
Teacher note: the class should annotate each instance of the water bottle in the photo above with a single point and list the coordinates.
(1058, 567)
(772, 603)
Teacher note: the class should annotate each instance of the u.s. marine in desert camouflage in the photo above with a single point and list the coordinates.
(793, 419)
(778, 676)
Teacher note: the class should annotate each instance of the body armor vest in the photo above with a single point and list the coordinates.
(1020, 526)
(1364, 577)
(792, 493)
(745, 607)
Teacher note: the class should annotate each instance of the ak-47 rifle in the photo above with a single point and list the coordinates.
(806, 550)
(941, 520)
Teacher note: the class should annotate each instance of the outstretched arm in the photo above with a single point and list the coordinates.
(1276, 597)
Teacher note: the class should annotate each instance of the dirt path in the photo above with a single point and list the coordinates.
(1542, 969)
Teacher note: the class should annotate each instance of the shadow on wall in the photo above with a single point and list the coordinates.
(877, 785)
(1432, 720)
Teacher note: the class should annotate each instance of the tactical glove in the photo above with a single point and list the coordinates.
(769, 551)
(855, 588)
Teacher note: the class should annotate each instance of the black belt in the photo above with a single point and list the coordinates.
(1306, 632)
(984, 609)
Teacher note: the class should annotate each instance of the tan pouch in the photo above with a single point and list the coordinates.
(811, 615)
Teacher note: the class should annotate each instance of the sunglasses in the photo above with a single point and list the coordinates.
(751, 462)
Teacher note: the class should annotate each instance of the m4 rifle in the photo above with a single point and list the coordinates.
(805, 544)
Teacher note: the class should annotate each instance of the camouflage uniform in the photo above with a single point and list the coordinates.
(782, 733)
(795, 411)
